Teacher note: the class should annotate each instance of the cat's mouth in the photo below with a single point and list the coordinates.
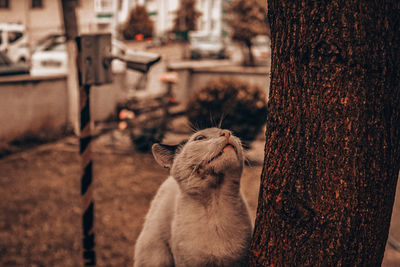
(226, 147)
(201, 170)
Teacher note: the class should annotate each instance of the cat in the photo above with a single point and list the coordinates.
(198, 216)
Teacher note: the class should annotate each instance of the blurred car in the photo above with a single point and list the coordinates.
(7, 67)
(206, 46)
(261, 49)
(13, 42)
(47, 40)
(156, 41)
(50, 56)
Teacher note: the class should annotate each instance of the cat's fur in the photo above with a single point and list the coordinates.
(198, 216)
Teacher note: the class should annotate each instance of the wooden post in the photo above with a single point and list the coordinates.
(71, 31)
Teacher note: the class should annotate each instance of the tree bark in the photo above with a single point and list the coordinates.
(333, 134)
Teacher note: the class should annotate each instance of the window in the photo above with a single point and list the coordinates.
(14, 36)
(57, 47)
(4, 4)
(104, 5)
(213, 23)
(37, 3)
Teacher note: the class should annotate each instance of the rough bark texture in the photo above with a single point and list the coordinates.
(333, 130)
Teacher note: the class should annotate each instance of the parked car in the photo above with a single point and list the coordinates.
(50, 56)
(156, 41)
(13, 42)
(47, 40)
(7, 67)
(206, 46)
(261, 49)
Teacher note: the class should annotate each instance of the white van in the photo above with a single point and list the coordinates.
(13, 42)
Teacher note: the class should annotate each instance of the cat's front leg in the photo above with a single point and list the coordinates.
(153, 255)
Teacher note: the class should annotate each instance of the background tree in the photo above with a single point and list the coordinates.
(186, 17)
(138, 22)
(333, 135)
(248, 18)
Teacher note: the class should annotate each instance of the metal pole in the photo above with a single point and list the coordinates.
(89, 255)
(71, 31)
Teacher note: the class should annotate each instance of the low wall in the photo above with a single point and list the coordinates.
(192, 76)
(29, 105)
(39, 105)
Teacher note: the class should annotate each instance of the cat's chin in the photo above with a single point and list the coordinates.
(227, 162)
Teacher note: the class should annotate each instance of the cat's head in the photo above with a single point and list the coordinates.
(210, 158)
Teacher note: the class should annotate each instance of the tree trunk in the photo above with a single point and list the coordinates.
(333, 134)
(250, 57)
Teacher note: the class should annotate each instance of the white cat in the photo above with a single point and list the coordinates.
(198, 216)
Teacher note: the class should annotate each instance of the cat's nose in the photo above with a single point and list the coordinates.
(226, 133)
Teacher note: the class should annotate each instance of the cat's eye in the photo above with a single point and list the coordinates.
(200, 137)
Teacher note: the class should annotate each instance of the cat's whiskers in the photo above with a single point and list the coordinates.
(207, 157)
(221, 120)
(194, 170)
(192, 127)
(197, 167)
(245, 145)
(201, 163)
(247, 162)
(212, 122)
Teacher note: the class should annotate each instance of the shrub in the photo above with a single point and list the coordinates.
(186, 17)
(138, 22)
(240, 107)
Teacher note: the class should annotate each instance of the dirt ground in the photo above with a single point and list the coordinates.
(40, 222)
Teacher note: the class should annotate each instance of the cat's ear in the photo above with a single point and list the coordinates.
(164, 154)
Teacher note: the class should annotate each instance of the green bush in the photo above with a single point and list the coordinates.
(138, 22)
(240, 106)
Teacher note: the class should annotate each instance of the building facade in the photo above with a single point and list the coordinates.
(42, 17)
(163, 13)
(210, 22)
